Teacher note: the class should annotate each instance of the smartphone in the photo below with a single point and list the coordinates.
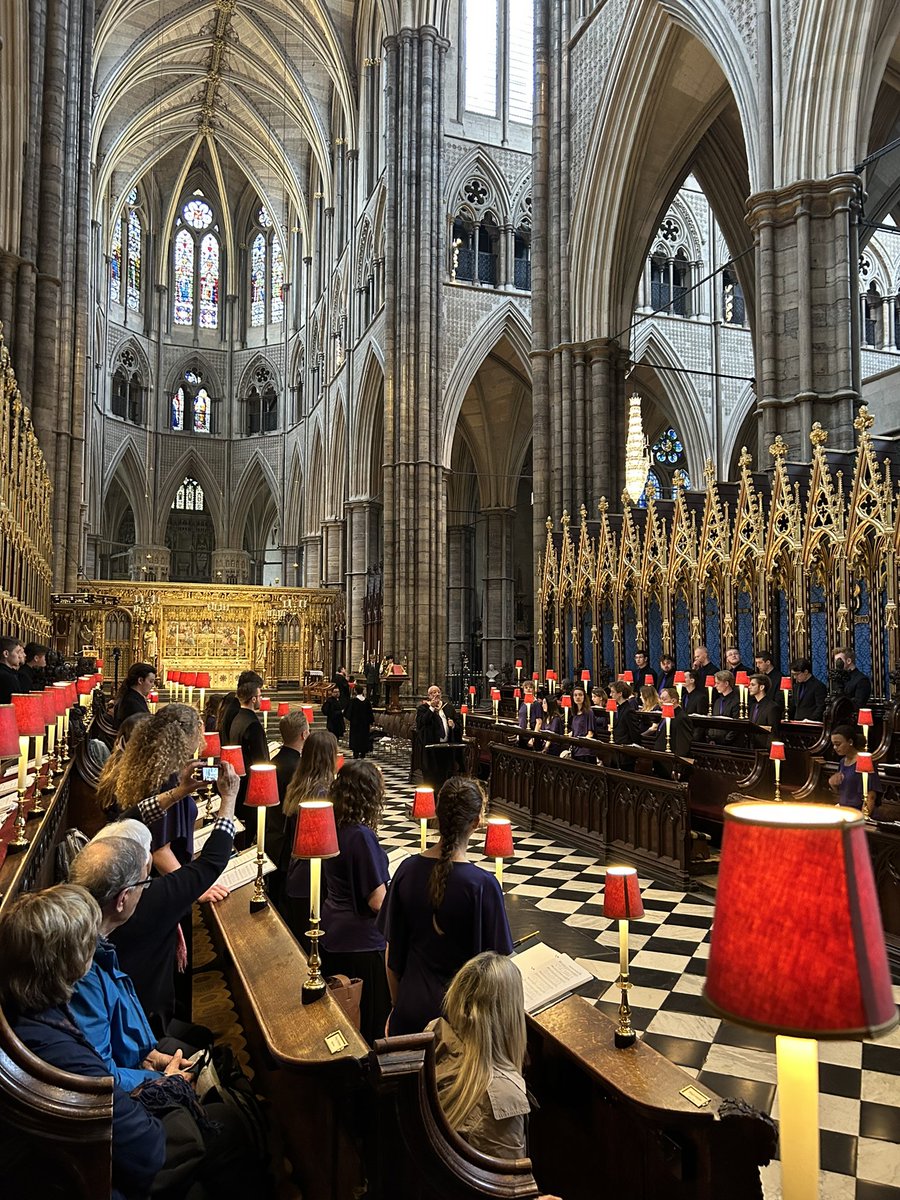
(209, 774)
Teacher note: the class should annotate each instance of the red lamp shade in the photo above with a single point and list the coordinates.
(235, 756)
(316, 835)
(551, 675)
(585, 677)
(648, 680)
(464, 709)
(189, 678)
(98, 679)
(668, 711)
(786, 683)
(498, 840)
(62, 697)
(83, 684)
(29, 713)
(628, 676)
(471, 690)
(535, 677)
(679, 677)
(212, 744)
(742, 679)
(338, 763)
(611, 705)
(99, 663)
(175, 676)
(283, 708)
(51, 708)
(265, 704)
(864, 764)
(710, 681)
(308, 713)
(518, 664)
(622, 895)
(423, 804)
(517, 693)
(823, 972)
(170, 676)
(71, 693)
(9, 732)
(565, 701)
(776, 751)
(495, 693)
(262, 788)
(202, 679)
(865, 716)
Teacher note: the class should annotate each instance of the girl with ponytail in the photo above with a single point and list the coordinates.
(440, 911)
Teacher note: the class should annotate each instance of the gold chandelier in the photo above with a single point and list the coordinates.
(637, 454)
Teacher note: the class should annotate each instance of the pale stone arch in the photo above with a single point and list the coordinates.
(741, 429)
(367, 441)
(336, 478)
(128, 471)
(506, 321)
(675, 394)
(628, 182)
(292, 525)
(248, 375)
(690, 237)
(190, 464)
(875, 266)
(132, 345)
(491, 198)
(257, 479)
(197, 362)
(314, 506)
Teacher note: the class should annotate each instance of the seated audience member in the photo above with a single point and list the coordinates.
(109, 776)
(530, 714)
(440, 911)
(333, 711)
(581, 724)
(765, 665)
(703, 663)
(12, 656)
(355, 886)
(47, 942)
(33, 670)
(551, 722)
(847, 742)
(666, 677)
(148, 943)
(360, 722)
(856, 687)
(641, 669)
(761, 708)
(726, 703)
(231, 706)
(246, 731)
(312, 781)
(808, 695)
(681, 728)
(694, 696)
(294, 730)
(133, 692)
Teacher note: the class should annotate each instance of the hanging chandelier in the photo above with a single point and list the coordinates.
(637, 455)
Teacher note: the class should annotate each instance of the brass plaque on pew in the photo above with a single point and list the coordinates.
(336, 1042)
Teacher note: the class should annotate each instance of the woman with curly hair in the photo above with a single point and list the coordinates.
(356, 883)
(440, 911)
(312, 781)
(108, 782)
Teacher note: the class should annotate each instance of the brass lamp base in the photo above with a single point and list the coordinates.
(208, 815)
(314, 986)
(625, 1035)
(259, 900)
(20, 841)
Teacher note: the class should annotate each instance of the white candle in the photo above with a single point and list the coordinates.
(315, 887)
(260, 831)
(23, 762)
(38, 754)
(498, 871)
(798, 1104)
(623, 949)
(423, 824)
(51, 738)
(668, 733)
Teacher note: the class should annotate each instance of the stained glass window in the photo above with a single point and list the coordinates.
(209, 282)
(263, 219)
(115, 266)
(132, 197)
(653, 480)
(198, 214)
(189, 497)
(178, 409)
(277, 284)
(184, 278)
(201, 412)
(667, 449)
(133, 287)
(258, 281)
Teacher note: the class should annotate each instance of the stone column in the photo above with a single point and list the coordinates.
(807, 310)
(149, 564)
(499, 594)
(415, 595)
(333, 552)
(312, 560)
(460, 593)
(230, 566)
(359, 551)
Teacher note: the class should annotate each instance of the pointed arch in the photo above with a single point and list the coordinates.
(127, 470)
(367, 440)
(506, 321)
(292, 526)
(199, 364)
(741, 429)
(314, 509)
(257, 478)
(337, 464)
(190, 464)
(653, 349)
(131, 343)
(478, 163)
(256, 362)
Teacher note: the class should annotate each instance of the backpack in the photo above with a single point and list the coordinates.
(73, 842)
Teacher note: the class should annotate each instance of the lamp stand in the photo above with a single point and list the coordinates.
(259, 900)
(624, 1035)
(37, 808)
(668, 735)
(498, 870)
(423, 839)
(777, 778)
(208, 816)
(314, 985)
(797, 1061)
(20, 841)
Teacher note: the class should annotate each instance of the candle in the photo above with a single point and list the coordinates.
(464, 708)
(623, 949)
(786, 690)
(710, 684)
(23, 763)
(315, 887)
(798, 1108)
(260, 831)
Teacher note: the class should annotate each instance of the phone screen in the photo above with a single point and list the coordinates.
(210, 774)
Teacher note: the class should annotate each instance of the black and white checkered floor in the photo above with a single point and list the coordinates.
(557, 892)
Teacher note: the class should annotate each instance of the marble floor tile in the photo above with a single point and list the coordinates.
(660, 962)
(684, 933)
(557, 875)
(532, 889)
(599, 969)
(635, 941)
(638, 997)
(831, 1186)
(692, 984)
(879, 1088)
(659, 894)
(842, 1054)
(586, 921)
(560, 906)
(581, 885)
(837, 1113)
(684, 1026)
(878, 1161)
(747, 1064)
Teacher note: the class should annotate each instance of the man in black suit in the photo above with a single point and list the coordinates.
(436, 725)
(12, 656)
(666, 678)
(626, 726)
(681, 730)
(342, 683)
(694, 696)
(726, 703)
(765, 665)
(857, 687)
(761, 708)
(642, 669)
(808, 695)
(33, 670)
(248, 733)
(231, 706)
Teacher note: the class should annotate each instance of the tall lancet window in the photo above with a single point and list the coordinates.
(126, 255)
(196, 266)
(267, 271)
(499, 59)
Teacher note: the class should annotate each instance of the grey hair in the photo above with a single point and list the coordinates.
(134, 831)
(107, 867)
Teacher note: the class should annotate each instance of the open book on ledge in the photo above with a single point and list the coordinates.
(242, 869)
(548, 975)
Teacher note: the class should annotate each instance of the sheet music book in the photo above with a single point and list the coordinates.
(548, 975)
(201, 834)
(242, 869)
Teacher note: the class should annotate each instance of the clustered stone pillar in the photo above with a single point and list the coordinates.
(460, 597)
(807, 340)
(415, 596)
(360, 551)
(499, 594)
